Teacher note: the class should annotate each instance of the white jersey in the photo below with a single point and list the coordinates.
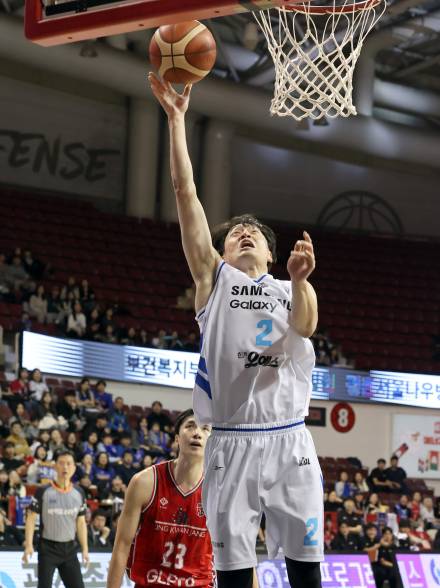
(254, 367)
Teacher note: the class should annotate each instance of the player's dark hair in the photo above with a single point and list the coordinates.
(220, 232)
(394, 457)
(182, 417)
(381, 460)
(371, 526)
(99, 512)
(62, 453)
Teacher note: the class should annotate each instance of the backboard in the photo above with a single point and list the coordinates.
(55, 22)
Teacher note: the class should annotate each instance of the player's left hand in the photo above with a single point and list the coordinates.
(85, 559)
(301, 262)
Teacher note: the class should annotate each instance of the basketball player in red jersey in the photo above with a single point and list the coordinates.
(162, 539)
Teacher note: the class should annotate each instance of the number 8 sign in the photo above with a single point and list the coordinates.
(342, 417)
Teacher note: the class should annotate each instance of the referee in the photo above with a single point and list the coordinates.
(62, 509)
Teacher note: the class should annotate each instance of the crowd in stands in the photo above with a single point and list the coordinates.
(329, 353)
(74, 309)
(373, 513)
(358, 519)
(95, 427)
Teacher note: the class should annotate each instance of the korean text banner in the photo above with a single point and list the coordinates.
(416, 439)
(338, 571)
(419, 570)
(178, 369)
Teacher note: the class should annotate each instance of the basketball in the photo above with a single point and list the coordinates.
(183, 53)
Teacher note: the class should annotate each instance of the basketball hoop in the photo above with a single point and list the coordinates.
(315, 48)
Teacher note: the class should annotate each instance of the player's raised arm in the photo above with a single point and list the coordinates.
(202, 258)
(300, 265)
(139, 492)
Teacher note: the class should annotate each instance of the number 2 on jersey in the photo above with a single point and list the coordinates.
(178, 557)
(312, 529)
(266, 325)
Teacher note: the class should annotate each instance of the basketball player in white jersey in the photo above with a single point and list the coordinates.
(253, 383)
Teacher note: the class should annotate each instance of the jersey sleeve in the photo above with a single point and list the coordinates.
(37, 500)
(83, 508)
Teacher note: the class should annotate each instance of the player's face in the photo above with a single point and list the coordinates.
(246, 242)
(192, 437)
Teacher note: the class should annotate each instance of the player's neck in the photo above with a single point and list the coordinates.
(187, 472)
(252, 270)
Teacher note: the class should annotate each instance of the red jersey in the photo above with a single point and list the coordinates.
(172, 546)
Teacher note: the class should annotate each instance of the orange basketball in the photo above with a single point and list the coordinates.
(183, 53)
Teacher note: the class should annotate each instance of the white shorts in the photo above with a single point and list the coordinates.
(272, 469)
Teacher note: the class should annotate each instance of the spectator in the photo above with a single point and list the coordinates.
(16, 486)
(31, 430)
(87, 467)
(90, 446)
(18, 390)
(4, 490)
(160, 341)
(17, 277)
(100, 427)
(158, 440)
(76, 322)
(37, 387)
(41, 470)
(427, 514)
(143, 339)
(371, 541)
(157, 415)
(187, 301)
(377, 480)
(360, 484)
(103, 473)
(43, 439)
(126, 470)
(410, 539)
(70, 410)
(147, 461)
(345, 540)
(34, 267)
(343, 488)
(436, 544)
(17, 438)
(98, 532)
(402, 508)
(38, 305)
(86, 295)
(107, 444)
(10, 536)
(347, 515)
(46, 411)
(109, 335)
(73, 446)
(56, 442)
(125, 444)
(94, 326)
(87, 487)
(337, 357)
(117, 490)
(329, 533)
(72, 287)
(396, 476)
(130, 338)
(10, 460)
(415, 505)
(142, 434)
(55, 310)
(359, 503)
(333, 502)
(192, 344)
(86, 400)
(174, 343)
(5, 284)
(117, 417)
(103, 399)
(374, 506)
(386, 568)
(20, 416)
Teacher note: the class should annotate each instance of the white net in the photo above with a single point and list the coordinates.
(315, 49)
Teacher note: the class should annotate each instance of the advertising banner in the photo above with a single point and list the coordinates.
(416, 439)
(419, 570)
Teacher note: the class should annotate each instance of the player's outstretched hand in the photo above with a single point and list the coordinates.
(85, 559)
(28, 553)
(172, 102)
(301, 262)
